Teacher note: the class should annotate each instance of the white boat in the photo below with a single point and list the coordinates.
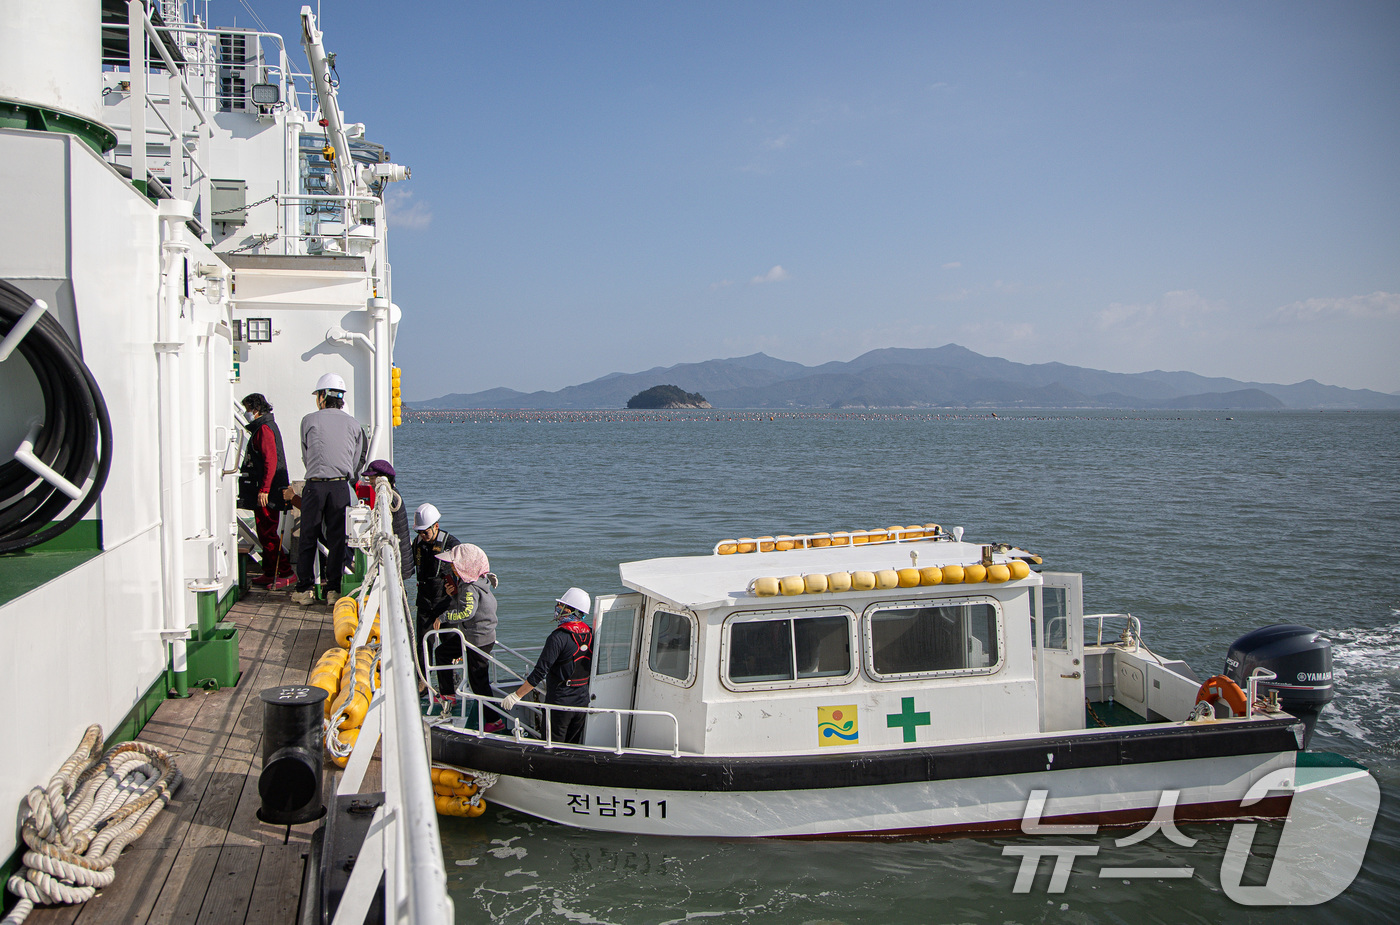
(899, 682)
(190, 218)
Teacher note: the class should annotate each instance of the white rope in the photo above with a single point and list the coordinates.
(91, 809)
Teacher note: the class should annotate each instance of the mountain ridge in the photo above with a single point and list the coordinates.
(951, 376)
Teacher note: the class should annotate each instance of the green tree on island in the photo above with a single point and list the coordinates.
(667, 396)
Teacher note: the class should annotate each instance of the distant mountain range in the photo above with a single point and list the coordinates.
(937, 377)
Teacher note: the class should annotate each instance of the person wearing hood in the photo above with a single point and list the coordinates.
(382, 468)
(261, 480)
(472, 609)
(566, 662)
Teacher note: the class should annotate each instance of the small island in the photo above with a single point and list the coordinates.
(667, 396)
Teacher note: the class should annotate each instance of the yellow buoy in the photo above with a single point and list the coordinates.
(886, 578)
(974, 573)
(840, 539)
(837, 582)
(783, 543)
(816, 583)
(765, 587)
(727, 547)
(998, 573)
(930, 575)
(862, 581)
(875, 536)
(952, 574)
(1019, 569)
(859, 539)
(908, 578)
(765, 544)
(792, 584)
(747, 544)
(932, 530)
(821, 540)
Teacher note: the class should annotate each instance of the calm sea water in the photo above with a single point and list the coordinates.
(1202, 526)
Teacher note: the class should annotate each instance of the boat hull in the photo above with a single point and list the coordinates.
(1104, 779)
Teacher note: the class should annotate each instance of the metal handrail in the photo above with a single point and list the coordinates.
(1134, 624)
(548, 741)
(1259, 674)
(429, 665)
(414, 826)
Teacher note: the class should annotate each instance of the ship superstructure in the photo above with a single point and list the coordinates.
(190, 218)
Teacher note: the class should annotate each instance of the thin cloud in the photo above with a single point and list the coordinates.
(953, 265)
(775, 275)
(722, 284)
(1376, 305)
(1181, 307)
(404, 212)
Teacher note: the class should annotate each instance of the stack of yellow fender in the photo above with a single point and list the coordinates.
(347, 620)
(356, 688)
(886, 579)
(453, 792)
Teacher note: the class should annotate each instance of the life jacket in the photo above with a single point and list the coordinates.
(581, 662)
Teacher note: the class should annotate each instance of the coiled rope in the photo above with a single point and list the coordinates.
(91, 809)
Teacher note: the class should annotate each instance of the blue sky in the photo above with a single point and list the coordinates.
(609, 186)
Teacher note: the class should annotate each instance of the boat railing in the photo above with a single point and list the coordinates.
(403, 848)
(429, 664)
(1130, 638)
(519, 730)
(839, 538)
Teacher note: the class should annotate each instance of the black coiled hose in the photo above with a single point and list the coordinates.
(76, 433)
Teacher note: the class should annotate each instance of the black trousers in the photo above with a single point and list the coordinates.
(566, 726)
(478, 671)
(323, 506)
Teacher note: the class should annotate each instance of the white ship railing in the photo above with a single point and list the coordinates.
(1132, 629)
(403, 844)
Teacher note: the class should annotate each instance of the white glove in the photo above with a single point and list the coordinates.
(510, 700)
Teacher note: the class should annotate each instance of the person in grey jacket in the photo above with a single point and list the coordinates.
(471, 609)
(333, 448)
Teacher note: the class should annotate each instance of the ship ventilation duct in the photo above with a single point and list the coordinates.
(68, 452)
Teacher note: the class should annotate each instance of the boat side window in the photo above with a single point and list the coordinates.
(962, 638)
(671, 637)
(1056, 618)
(785, 648)
(613, 647)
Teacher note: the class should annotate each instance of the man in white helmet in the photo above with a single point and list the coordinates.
(433, 598)
(567, 661)
(333, 449)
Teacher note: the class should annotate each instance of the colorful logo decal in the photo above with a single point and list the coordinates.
(837, 725)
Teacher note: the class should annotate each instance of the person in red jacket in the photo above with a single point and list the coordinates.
(261, 480)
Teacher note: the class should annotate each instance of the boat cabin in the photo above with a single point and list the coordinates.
(918, 638)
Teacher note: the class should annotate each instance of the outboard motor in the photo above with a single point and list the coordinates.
(1300, 657)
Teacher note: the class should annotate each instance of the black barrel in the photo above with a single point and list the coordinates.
(290, 785)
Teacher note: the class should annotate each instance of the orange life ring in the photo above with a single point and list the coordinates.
(1218, 688)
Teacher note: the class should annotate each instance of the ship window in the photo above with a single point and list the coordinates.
(671, 635)
(963, 637)
(776, 651)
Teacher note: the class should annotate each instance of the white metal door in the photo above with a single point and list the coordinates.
(1060, 650)
(617, 623)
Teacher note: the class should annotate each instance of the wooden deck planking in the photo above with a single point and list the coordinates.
(207, 858)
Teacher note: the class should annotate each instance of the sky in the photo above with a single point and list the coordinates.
(612, 186)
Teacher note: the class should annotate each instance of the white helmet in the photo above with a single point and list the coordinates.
(425, 517)
(330, 382)
(577, 598)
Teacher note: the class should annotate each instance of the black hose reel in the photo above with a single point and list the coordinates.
(74, 439)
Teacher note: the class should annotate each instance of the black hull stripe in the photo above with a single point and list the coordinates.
(862, 769)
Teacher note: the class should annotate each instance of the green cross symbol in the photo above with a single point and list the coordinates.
(908, 719)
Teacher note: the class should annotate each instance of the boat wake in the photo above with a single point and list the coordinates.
(1366, 667)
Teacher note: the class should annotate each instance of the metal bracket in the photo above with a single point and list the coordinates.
(22, 327)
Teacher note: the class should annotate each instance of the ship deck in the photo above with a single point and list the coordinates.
(206, 858)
